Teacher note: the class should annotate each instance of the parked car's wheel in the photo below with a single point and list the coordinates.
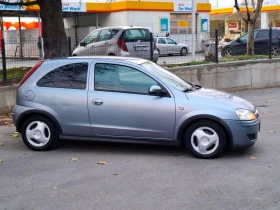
(39, 133)
(275, 50)
(184, 51)
(227, 52)
(205, 139)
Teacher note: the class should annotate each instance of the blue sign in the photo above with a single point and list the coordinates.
(204, 25)
(164, 24)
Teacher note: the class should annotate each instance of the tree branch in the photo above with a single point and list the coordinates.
(20, 3)
(248, 12)
(239, 12)
(257, 11)
(253, 5)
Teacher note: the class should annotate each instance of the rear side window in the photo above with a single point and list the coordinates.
(72, 76)
(263, 34)
(107, 34)
(133, 35)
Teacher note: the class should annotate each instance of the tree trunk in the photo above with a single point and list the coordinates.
(55, 40)
(250, 42)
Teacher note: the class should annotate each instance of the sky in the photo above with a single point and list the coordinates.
(230, 3)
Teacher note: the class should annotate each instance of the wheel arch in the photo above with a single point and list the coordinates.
(186, 124)
(31, 113)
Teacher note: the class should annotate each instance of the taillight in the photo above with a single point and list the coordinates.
(30, 72)
(155, 46)
(122, 45)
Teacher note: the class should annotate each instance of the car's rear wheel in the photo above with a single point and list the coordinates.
(275, 51)
(205, 139)
(227, 52)
(39, 133)
(184, 51)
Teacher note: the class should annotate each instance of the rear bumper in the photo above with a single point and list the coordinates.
(145, 55)
(244, 133)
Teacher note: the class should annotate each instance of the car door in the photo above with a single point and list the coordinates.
(105, 41)
(172, 46)
(162, 46)
(64, 92)
(120, 106)
(89, 43)
(241, 45)
(261, 42)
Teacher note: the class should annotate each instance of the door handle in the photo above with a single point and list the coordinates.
(97, 102)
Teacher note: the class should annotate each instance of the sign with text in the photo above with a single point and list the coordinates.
(11, 7)
(182, 7)
(73, 6)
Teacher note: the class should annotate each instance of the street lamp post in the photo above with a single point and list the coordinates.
(193, 30)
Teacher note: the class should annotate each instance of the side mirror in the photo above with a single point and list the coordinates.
(83, 44)
(238, 40)
(155, 90)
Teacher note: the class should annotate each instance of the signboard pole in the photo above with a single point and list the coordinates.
(193, 30)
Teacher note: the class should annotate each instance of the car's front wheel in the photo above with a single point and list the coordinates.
(205, 139)
(39, 133)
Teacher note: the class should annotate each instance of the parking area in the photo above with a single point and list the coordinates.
(143, 176)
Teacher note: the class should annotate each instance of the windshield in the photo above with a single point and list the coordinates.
(167, 77)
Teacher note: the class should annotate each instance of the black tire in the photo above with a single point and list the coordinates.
(190, 139)
(111, 54)
(184, 51)
(226, 52)
(275, 50)
(50, 131)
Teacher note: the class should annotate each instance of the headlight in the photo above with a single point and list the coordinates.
(244, 114)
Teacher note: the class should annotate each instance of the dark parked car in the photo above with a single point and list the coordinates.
(239, 46)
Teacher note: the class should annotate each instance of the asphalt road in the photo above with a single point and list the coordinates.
(142, 176)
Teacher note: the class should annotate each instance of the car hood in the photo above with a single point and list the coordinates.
(221, 99)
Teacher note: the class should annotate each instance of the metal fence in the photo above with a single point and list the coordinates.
(169, 49)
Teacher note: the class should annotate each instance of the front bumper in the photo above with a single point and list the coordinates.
(243, 133)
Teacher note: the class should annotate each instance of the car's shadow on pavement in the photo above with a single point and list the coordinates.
(140, 149)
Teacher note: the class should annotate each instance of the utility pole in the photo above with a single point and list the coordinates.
(193, 29)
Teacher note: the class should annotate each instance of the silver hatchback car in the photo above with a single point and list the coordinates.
(167, 46)
(124, 41)
(128, 100)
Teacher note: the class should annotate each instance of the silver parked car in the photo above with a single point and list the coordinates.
(128, 100)
(167, 46)
(119, 41)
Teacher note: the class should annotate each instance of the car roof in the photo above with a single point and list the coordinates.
(101, 58)
(122, 27)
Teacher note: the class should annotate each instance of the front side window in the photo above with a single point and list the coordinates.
(119, 78)
(107, 34)
(91, 38)
(72, 76)
(244, 38)
(170, 41)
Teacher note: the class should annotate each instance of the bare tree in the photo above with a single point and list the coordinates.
(250, 20)
(55, 39)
